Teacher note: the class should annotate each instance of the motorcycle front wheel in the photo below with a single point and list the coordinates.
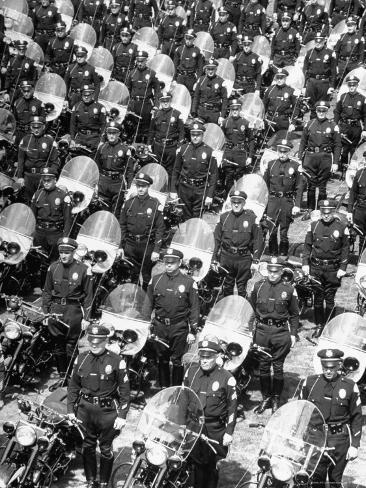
(119, 476)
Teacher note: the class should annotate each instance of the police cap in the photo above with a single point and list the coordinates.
(49, 172)
(238, 194)
(211, 63)
(97, 332)
(81, 51)
(173, 253)
(327, 206)
(125, 32)
(322, 106)
(319, 37)
(38, 120)
(209, 345)
(330, 357)
(140, 55)
(67, 244)
(26, 84)
(285, 144)
(286, 16)
(88, 89)
(222, 11)
(352, 20)
(352, 80)
(235, 103)
(113, 126)
(281, 73)
(20, 44)
(190, 34)
(143, 178)
(165, 97)
(61, 25)
(247, 40)
(275, 264)
(197, 127)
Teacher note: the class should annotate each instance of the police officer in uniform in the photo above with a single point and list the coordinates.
(19, 68)
(98, 395)
(320, 149)
(124, 55)
(174, 298)
(142, 13)
(142, 227)
(248, 68)
(202, 14)
(37, 150)
(252, 20)
(284, 182)
(287, 7)
(314, 20)
(338, 399)
(238, 244)
(170, 30)
(356, 210)
(59, 51)
(349, 49)
(112, 24)
(216, 388)
(166, 132)
(210, 95)
(92, 12)
(188, 61)
(25, 107)
(277, 319)
(223, 33)
(325, 258)
(194, 175)
(340, 9)
(88, 120)
(350, 115)
(285, 45)
(45, 17)
(68, 291)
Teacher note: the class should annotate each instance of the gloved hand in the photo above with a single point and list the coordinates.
(363, 134)
(154, 256)
(71, 416)
(330, 91)
(72, 144)
(20, 181)
(296, 16)
(220, 120)
(306, 269)
(119, 423)
(227, 439)
(295, 210)
(120, 253)
(256, 93)
(248, 162)
(334, 168)
(340, 273)
(208, 201)
(270, 62)
(173, 196)
(352, 453)
(293, 340)
(84, 324)
(254, 268)
(214, 266)
(350, 217)
(291, 128)
(190, 339)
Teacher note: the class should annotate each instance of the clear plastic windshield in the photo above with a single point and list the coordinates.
(205, 44)
(34, 51)
(261, 46)
(115, 96)
(17, 226)
(257, 193)
(85, 36)
(164, 68)
(146, 39)
(7, 124)
(82, 169)
(335, 34)
(66, 9)
(14, 8)
(181, 100)
(252, 110)
(102, 60)
(51, 88)
(214, 136)
(302, 53)
(226, 71)
(20, 28)
(18, 217)
(102, 226)
(295, 79)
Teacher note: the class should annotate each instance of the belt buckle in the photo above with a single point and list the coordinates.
(33, 171)
(316, 149)
(270, 322)
(95, 400)
(167, 321)
(63, 301)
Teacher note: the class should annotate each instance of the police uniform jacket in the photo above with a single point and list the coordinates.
(237, 133)
(143, 85)
(315, 19)
(188, 60)
(87, 116)
(166, 126)
(201, 14)
(45, 18)
(59, 50)
(350, 47)
(210, 91)
(253, 17)
(321, 64)
(142, 217)
(124, 56)
(276, 301)
(280, 101)
(195, 161)
(52, 207)
(240, 232)
(248, 68)
(171, 28)
(173, 297)
(327, 241)
(115, 157)
(357, 194)
(346, 7)
(103, 376)
(224, 35)
(289, 5)
(37, 152)
(286, 42)
(284, 177)
(339, 402)
(351, 107)
(19, 68)
(143, 9)
(217, 391)
(321, 136)
(79, 74)
(112, 25)
(24, 109)
(91, 10)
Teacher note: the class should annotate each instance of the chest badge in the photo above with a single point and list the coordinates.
(44, 145)
(283, 295)
(86, 73)
(216, 86)
(95, 110)
(147, 77)
(242, 128)
(149, 211)
(34, 109)
(172, 120)
(57, 201)
(204, 155)
(181, 288)
(215, 386)
(108, 369)
(26, 66)
(75, 276)
(336, 233)
(291, 171)
(66, 45)
(194, 55)
(245, 224)
(120, 153)
(342, 393)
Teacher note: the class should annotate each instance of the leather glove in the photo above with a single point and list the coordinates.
(363, 134)
(254, 268)
(71, 416)
(20, 181)
(291, 128)
(340, 273)
(350, 217)
(214, 266)
(119, 423)
(84, 324)
(120, 253)
(208, 201)
(190, 339)
(256, 93)
(173, 196)
(293, 340)
(306, 269)
(296, 16)
(154, 256)
(227, 439)
(295, 210)
(220, 120)
(330, 91)
(352, 453)
(248, 161)
(334, 168)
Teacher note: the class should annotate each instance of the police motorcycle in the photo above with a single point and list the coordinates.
(84, 36)
(102, 60)
(8, 151)
(168, 429)
(252, 110)
(115, 97)
(292, 445)
(205, 44)
(41, 445)
(164, 68)
(51, 90)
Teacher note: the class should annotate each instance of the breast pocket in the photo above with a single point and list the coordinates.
(57, 286)
(90, 381)
(107, 380)
(265, 306)
(214, 401)
(280, 306)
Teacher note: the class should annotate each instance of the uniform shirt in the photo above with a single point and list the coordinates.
(142, 217)
(87, 116)
(323, 134)
(174, 297)
(338, 400)
(350, 47)
(72, 282)
(37, 152)
(19, 68)
(24, 109)
(280, 101)
(284, 176)
(236, 130)
(276, 301)
(59, 50)
(201, 14)
(91, 10)
(314, 18)
(248, 65)
(104, 375)
(286, 41)
(320, 62)
(52, 206)
(195, 161)
(240, 230)
(327, 240)
(112, 25)
(80, 74)
(45, 18)
(224, 35)
(253, 16)
(166, 124)
(357, 194)
(115, 157)
(217, 391)
(124, 56)
(289, 5)
(171, 28)
(143, 9)
(188, 58)
(346, 7)
(210, 90)
(350, 106)
(143, 83)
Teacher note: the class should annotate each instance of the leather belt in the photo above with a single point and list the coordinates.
(66, 301)
(230, 145)
(337, 428)
(236, 250)
(137, 97)
(251, 26)
(320, 77)
(193, 181)
(167, 321)
(167, 142)
(345, 58)
(139, 237)
(211, 106)
(319, 149)
(249, 79)
(222, 44)
(114, 175)
(280, 194)
(33, 171)
(273, 322)
(324, 262)
(351, 121)
(50, 225)
(88, 132)
(75, 90)
(185, 72)
(100, 401)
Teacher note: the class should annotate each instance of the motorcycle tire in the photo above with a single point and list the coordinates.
(119, 476)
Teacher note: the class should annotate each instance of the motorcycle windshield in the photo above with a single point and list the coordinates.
(34, 51)
(361, 74)
(195, 239)
(101, 232)
(81, 175)
(123, 311)
(181, 100)
(159, 188)
(252, 110)
(14, 9)
(261, 46)
(146, 39)
(115, 96)
(7, 125)
(295, 79)
(6, 182)
(171, 423)
(335, 34)
(226, 70)
(102, 60)
(257, 194)
(85, 36)
(346, 332)
(214, 137)
(51, 89)
(294, 437)
(17, 226)
(164, 68)
(21, 28)
(66, 9)
(230, 320)
(304, 49)
(205, 44)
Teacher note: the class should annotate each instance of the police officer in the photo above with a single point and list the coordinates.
(79, 74)
(174, 298)
(112, 24)
(166, 132)
(92, 12)
(124, 55)
(194, 175)
(19, 68)
(325, 258)
(248, 68)
(285, 45)
(338, 399)
(88, 120)
(202, 15)
(340, 9)
(45, 17)
(216, 388)
(141, 157)
(98, 395)
(349, 49)
(58, 54)
(170, 30)
(116, 168)
(356, 210)
(25, 107)
(320, 149)
(277, 319)
(350, 115)
(210, 95)
(142, 227)
(68, 292)
(252, 20)
(284, 182)
(37, 150)
(239, 146)
(223, 33)
(238, 244)
(314, 21)
(287, 7)
(144, 89)
(320, 72)
(142, 13)
(188, 61)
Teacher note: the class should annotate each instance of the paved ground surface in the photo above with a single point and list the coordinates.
(240, 465)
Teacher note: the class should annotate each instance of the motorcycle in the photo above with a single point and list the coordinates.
(292, 445)
(40, 447)
(167, 431)
(360, 280)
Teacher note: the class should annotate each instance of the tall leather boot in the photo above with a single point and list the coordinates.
(177, 375)
(284, 246)
(266, 394)
(277, 387)
(105, 470)
(90, 466)
(164, 374)
(319, 321)
(273, 244)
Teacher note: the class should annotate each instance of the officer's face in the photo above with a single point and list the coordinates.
(141, 63)
(125, 38)
(330, 371)
(97, 345)
(283, 154)
(66, 257)
(27, 92)
(210, 72)
(196, 137)
(351, 28)
(189, 41)
(286, 23)
(223, 18)
(112, 136)
(319, 43)
(45, 3)
(327, 217)
(321, 114)
(37, 129)
(142, 189)
(247, 47)
(60, 32)
(207, 360)
(87, 96)
(280, 80)
(237, 204)
(171, 11)
(274, 275)
(171, 265)
(235, 112)
(115, 9)
(21, 51)
(352, 87)
(49, 183)
(80, 58)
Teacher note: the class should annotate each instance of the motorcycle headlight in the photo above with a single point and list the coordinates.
(12, 330)
(138, 446)
(43, 443)
(156, 455)
(281, 470)
(8, 428)
(25, 435)
(264, 463)
(174, 462)
(301, 478)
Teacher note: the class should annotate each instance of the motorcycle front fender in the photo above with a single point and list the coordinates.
(14, 359)
(10, 473)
